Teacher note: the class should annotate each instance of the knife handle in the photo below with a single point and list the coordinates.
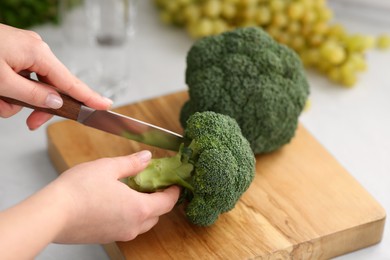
(70, 108)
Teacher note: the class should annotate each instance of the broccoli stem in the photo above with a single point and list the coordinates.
(161, 173)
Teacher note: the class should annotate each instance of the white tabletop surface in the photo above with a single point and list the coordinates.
(352, 124)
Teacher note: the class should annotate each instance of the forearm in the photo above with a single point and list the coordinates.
(30, 226)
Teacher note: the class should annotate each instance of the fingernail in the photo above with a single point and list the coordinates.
(144, 156)
(53, 101)
(109, 101)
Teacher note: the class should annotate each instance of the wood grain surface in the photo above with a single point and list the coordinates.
(302, 204)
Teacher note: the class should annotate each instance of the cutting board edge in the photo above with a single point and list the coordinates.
(304, 249)
(113, 251)
(368, 234)
(53, 152)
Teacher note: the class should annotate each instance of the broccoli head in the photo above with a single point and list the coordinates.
(215, 166)
(247, 75)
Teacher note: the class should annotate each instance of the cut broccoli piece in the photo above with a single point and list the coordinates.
(214, 169)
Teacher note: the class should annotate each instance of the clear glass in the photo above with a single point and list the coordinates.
(97, 37)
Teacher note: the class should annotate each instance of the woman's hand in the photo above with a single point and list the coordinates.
(23, 52)
(101, 209)
(86, 204)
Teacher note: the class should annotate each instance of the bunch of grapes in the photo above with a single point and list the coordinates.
(303, 25)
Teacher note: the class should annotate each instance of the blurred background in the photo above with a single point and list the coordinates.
(332, 37)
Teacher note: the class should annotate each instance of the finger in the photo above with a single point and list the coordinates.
(130, 165)
(32, 92)
(37, 57)
(141, 228)
(80, 91)
(8, 110)
(163, 201)
(148, 225)
(33, 34)
(37, 118)
(52, 71)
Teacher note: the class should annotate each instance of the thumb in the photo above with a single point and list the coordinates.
(132, 164)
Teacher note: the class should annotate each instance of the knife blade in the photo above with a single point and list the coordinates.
(111, 122)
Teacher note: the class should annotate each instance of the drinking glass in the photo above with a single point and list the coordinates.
(98, 35)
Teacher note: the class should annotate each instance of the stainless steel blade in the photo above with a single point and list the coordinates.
(130, 128)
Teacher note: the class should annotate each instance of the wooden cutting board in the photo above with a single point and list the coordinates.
(301, 205)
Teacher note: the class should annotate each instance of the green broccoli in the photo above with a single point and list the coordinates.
(215, 166)
(247, 75)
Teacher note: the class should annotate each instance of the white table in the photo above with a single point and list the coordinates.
(353, 124)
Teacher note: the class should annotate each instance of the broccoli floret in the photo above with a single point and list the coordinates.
(214, 168)
(247, 75)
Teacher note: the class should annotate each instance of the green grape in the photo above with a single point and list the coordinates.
(306, 30)
(202, 27)
(297, 42)
(228, 10)
(262, 15)
(220, 26)
(347, 74)
(333, 52)
(324, 14)
(355, 43)
(191, 13)
(277, 5)
(295, 10)
(247, 24)
(370, 42)
(247, 14)
(311, 57)
(348, 80)
(307, 104)
(293, 27)
(357, 61)
(315, 40)
(320, 27)
(309, 17)
(308, 4)
(211, 8)
(336, 31)
(319, 4)
(279, 19)
(383, 42)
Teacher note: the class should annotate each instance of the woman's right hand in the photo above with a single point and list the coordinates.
(23, 52)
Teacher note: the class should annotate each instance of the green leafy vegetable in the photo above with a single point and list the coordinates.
(215, 168)
(247, 75)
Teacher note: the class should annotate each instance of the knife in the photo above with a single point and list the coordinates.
(110, 122)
